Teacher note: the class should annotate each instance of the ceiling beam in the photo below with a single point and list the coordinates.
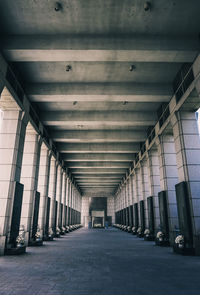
(98, 164)
(97, 179)
(102, 136)
(80, 177)
(93, 118)
(99, 92)
(100, 171)
(97, 49)
(98, 147)
(98, 157)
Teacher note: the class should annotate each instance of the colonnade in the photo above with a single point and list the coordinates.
(160, 198)
(38, 198)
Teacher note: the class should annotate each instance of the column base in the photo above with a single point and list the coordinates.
(15, 251)
(33, 243)
(140, 232)
(149, 238)
(134, 230)
(183, 251)
(2, 245)
(49, 238)
(163, 243)
(62, 231)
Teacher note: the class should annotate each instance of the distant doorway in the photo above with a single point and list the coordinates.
(98, 222)
(98, 218)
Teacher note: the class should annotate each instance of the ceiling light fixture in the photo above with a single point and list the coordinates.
(58, 6)
(68, 68)
(125, 102)
(131, 68)
(147, 6)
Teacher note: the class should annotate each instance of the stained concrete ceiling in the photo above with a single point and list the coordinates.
(99, 111)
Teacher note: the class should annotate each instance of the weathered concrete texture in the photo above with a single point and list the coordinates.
(100, 262)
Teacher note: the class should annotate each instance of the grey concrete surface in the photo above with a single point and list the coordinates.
(93, 262)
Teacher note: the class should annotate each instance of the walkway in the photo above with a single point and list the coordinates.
(94, 262)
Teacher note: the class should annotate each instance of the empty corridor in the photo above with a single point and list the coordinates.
(99, 261)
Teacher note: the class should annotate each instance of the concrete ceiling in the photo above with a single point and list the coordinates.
(98, 112)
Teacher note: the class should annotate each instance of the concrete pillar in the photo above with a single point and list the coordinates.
(29, 177)
(59, 194)
(139, 197)
(52, 191)
(154, 183)
(67, 200)
(145, 188)
(43, 185)
(187, 146)
(12, 136)
(124, 203)
(72, 200)
(168, 179)
(134, 183)
(64, 192)
(130, 190)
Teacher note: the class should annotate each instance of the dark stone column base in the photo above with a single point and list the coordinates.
(183, 251)
(162, 243)
(15, 251)
(35, 243)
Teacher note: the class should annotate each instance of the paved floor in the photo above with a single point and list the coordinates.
(93, 262)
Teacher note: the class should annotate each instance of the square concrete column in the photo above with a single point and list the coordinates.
(130, 183)
(145, 188)
(70, 202)
(124, 203)
(134, 192)
(154, 183)
(12, 136)
(52, 191)
(128, 192)
(59, 194)
(187, 146)
(168, 180)
(139, 195)
(64, 192)
(43, 185)
(29, 177)
(67, 199)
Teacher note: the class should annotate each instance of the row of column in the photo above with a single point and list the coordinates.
(36, 191)
(163, 192)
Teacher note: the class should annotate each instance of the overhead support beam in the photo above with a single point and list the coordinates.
(98, 157)
(100, 184)
(94, 118)
(80, 177)
(99, 92)
(98, 164)
(100, 171)
(97, 185)
(98, 148)
(98, 180)
(97, 49)
(100, 136)
(96, 192)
